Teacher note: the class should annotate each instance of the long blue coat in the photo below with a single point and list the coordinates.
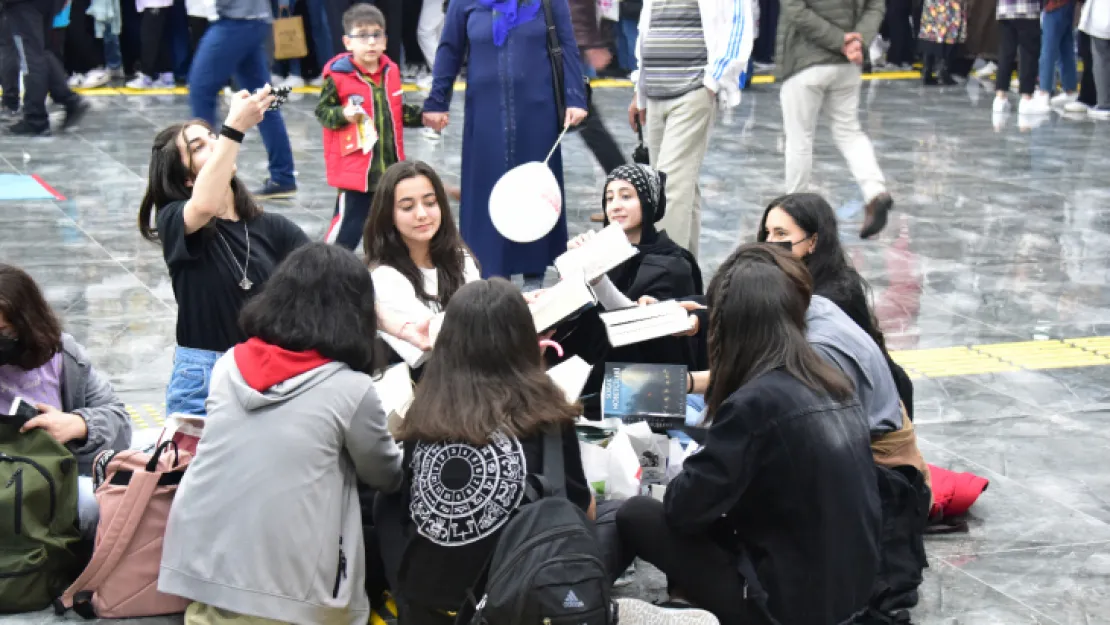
(511, 118)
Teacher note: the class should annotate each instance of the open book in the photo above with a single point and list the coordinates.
(564, 300)
(395, 391)
(595, 258)
(571, 375)
(644, 323)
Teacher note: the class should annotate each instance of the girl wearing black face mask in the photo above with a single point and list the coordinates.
(49, 370)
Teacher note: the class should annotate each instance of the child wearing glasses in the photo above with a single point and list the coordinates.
(362, 114)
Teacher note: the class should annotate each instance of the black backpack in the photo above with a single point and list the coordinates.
(545, 569)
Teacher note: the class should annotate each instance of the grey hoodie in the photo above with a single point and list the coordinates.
(838, 339)
(266, 521)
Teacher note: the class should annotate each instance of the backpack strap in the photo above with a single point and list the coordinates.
(112, 541)
(553, 469)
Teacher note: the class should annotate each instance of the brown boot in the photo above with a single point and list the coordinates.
(875, 219)
(598, 218)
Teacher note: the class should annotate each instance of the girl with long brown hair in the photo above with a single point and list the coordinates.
(475, 429)
(778, 513)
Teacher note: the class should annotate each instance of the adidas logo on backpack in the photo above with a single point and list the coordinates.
(545, 568)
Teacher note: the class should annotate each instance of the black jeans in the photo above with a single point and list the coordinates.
(83, 51)
(697, 567)
(899, 29)
(1019, 37)
(601, 143)
(1087, 93)
(155, 42)
(9, 65)
(31, 21)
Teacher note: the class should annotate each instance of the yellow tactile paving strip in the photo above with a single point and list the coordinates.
(941, 362)
(598, 83)
(999, 357)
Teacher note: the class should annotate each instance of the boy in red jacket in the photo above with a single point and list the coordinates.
(362, 114)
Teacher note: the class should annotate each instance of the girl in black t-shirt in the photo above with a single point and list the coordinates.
(219, 246)
(475, 427)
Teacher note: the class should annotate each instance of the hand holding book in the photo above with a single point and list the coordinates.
(695, 324)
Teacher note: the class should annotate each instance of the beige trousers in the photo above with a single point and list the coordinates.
(833, 89)
(203, 614)
(677, 136)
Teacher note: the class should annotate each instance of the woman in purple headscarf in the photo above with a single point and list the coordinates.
(512, 113)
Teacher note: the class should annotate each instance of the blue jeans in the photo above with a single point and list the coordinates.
(1058, 44)
(188, 388)
(238, 48)
(628, 31)
(113, 57)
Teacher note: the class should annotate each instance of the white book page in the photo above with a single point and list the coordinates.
(608, 249)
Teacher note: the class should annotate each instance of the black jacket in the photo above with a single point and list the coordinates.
(787, 474)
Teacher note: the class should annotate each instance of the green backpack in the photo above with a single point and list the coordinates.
(39, 536)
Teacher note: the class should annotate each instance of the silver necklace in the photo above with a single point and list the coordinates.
(245, 283)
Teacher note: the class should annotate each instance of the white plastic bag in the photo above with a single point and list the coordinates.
(624, 468)
(595, 463)
(609, 10)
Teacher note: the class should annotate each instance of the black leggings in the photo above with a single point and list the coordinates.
(1087, 93)
(697, 567)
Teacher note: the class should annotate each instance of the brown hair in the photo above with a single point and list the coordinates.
(486, 373)
(36, 326)
(383, 244)
(757, 323)
(362, 14)
(168, 174)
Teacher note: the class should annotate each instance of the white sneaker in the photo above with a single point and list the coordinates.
(1076, 107)
(317, 82)
(293, 82)
(424, 83)
(140, 81)
(1001, 105)
(1063, 100)
(432, 134)
(1101, 113)
(638, 612)
(75, 80)
(1036, 105)
(986, 70)
(96, 78)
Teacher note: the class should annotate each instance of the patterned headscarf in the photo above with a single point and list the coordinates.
(650, 185)
(508, 14)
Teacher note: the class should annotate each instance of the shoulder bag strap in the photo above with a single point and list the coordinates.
(555, 53)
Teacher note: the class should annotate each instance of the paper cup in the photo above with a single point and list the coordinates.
(525, 203)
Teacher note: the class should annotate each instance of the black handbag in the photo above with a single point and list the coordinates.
(640, 153)
(555, 53)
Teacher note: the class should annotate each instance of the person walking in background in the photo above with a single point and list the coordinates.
(235, 45)
(1087, 94)
(30, 22)
(360, 86)
(1095, 21)
(692, 55)
(1019, 30)
(820, 52)
(512, 115)
(156, 59)
(1058, 45)
(428, 31)
(943, 27)
(595, 56)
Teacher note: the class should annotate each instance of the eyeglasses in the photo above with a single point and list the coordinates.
(368, 37)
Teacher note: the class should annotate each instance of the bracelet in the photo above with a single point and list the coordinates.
(689, 382)
(231, 133)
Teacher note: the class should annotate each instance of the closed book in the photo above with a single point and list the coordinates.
(567, 299)
(606, 251)
(644, 323)
(634, 392)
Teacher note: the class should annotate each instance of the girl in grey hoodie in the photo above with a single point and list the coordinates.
(266, 524)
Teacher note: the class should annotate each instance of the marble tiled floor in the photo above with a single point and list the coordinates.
(999, 235)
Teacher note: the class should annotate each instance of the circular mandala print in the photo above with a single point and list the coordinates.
(461, 493)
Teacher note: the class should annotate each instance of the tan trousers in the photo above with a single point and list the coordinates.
(677, 137)
(203, 614)
(833, 89)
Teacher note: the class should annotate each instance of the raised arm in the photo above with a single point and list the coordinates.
(213, 184)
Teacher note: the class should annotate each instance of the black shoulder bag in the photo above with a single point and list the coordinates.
(555, 53)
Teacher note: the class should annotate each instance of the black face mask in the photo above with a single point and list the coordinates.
(9, 349)
(786, 245)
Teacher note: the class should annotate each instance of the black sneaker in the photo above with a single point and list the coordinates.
(22, 129)
(270, 190)
(75, 112)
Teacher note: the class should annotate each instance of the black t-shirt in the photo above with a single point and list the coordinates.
(206, 276)
(458, 498)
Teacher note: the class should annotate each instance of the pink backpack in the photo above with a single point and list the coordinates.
(135, 491)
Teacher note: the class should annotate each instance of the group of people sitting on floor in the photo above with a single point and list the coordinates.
(805, 504)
